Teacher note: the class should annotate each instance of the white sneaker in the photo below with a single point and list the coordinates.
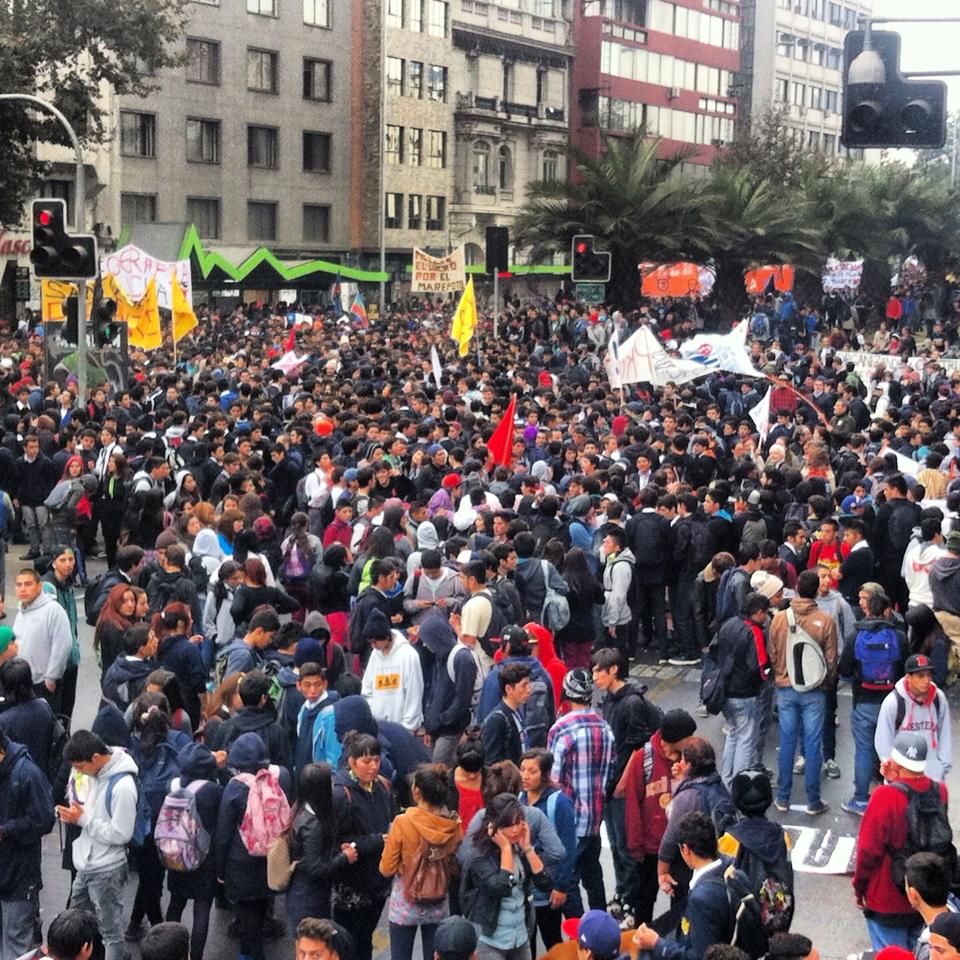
(799, 765)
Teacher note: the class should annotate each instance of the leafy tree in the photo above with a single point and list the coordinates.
(71, 53)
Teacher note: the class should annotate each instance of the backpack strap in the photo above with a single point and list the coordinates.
(647, 762)
(110, 785)
(552, 806)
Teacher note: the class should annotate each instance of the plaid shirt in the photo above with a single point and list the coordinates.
(582, 746)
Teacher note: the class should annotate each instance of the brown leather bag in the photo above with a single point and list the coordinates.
(426, 877)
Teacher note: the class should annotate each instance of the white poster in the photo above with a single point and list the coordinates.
(438, 274)
(842, 274)
(134, 268)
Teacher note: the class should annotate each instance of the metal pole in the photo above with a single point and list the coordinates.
(79, 223)
(496, 304)
(383, 150)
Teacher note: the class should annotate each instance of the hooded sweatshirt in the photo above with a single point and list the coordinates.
(43, 632)
(106, 830)
(261, 720)
(918, 561)
(126, 679)
(944, 584)
(931, 719)
(450, 706)
(617, 576)
(546, 653)
(316, 733)
(393, 683)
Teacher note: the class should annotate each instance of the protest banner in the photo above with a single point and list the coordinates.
(842, 274)
(438, 274)
(134, 268)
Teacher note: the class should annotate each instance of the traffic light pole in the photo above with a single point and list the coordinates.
(79, 220)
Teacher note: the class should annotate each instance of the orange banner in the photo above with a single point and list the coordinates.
(756, 280)
(672, 280)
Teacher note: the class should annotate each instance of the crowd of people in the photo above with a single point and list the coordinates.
(346, 657)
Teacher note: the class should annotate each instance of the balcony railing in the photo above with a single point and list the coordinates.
(470, 101)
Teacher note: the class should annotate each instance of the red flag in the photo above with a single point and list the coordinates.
(291, 340)
(500, 445)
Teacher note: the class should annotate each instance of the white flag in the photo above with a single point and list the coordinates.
(728, 352)
(435, 363)
(288, 363)
(760, 415)
(643, 359)
(611, 362)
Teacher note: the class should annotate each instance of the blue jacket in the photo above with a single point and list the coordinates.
(706, 920)
(565, 823)
(30, 724)
(448, 709)
(317, 733)
(490, 692)
(26, 816)
(182, 657)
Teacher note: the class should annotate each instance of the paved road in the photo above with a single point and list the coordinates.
(825, 908)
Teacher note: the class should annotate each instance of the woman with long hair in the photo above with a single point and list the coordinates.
(111, 503)
(186, 491)
(70, 507)
(395, 520)
(428, 822)
(575, 641)
(117, 615)
(26, 718)
(168, 683)
(179, 652)
(254, 592)
(144, 520)
(301, 551)
(229, 524)
(246, 546)
(314, 847)
(218, 626)
(380, 544)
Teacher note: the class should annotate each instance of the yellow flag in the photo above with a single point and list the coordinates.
(143, 320)
(113, 291)
(184, 319)
(465, 319)
(52, 295)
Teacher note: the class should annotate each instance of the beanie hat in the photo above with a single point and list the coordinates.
(751, 792)
(6, 638)
(377, 626)
(677, 725)
(309, 650)
(947, 925)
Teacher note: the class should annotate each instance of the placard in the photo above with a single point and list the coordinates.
(438, 274)
(135, 268)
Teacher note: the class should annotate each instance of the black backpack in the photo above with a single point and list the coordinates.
(745, 928)
(90, 595)
(928, 831)
(772, 883)
(716, 803)
(500, 616)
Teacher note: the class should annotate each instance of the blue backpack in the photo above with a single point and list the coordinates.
(878, 653)
(140, 824)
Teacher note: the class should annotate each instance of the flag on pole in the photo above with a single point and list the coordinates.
(435, 363)
(500, 445)
(611, 362)
(465, 319)
(291, 340)
(359, 311)
(716, 351)
(643, 359)
(760, 415)
(143, 319)
(184, 319)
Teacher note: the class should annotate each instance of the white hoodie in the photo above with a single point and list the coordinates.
(393, 683)
(45, 638)
(917, 561)
(104, 835)
(931, 720)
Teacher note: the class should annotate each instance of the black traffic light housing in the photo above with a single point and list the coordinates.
(588, 265)
(56, 253)
(71, 319)
(107, 328)
(882, 107)
(498, 244)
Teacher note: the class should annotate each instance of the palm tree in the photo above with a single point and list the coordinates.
(632, 200)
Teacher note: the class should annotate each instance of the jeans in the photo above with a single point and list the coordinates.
(801, 718)
(764, 720)
(587, 870)
(830, 722)
(402, 938)
(863, 724)
(102, 893)
(486, 952)
(36, 526)
(741, 728)
(624, 866)
(18, 925)
(445, 749)
(882, 935)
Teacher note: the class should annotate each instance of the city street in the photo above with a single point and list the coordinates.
(825, 907)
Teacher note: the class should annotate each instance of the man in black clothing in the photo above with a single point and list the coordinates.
(856, 569)
(892, 531)
(257, 715)
(34, 481)
(171, 584)
(129, 563)
(502, 731)
(648, 537)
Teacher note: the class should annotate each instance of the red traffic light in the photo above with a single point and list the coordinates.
(581, 247)
(45, 217)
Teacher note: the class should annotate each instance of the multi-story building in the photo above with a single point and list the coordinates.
(667, 65)
(792, 60)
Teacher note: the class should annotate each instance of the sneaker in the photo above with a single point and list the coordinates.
(616, 907)
(831, 769)
(782, 805)
(662, 662)
(799, 765)
(815, 809)
(857, 807)
(628, 921)
(680, 662)
(702, 711)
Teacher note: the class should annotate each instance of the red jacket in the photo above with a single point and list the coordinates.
(884, 828)
(547, 655)
(647, 800)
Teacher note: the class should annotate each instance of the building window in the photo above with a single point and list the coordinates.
(263, 148)
(816, 97)
(59, 190)
(394, 143)
(138, 208)
(203, 61)
(437, 83)
(830, 101)
(316, 13)
(415, 79)
(551, 165)
(436, 19)
(395, 76)
(316, 152)
(829, 143)
(204, 214)
(436, 212)
(415, 146)
(138, 134)
(506, 84)
(782, 90)
(261, 220)
(835, 14)
(437, 149)
(263, 8)
(504, 168)
(393, 211)
(813, 140)
(834, 58)
(316, 79)
(784, 44)
(481, 167)
(316, 222)
(203, 140)
(799, 91)
(395, 14)
(415, 16)
(800, 48)
(262, 70)
(818, 53)
(414, 212)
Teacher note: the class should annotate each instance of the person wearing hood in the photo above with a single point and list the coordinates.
(428, 822)
(393, 678)
(257, 715)
(431, 587)
(26, 816)
(541, 642)
(173, 584)
(532, 576)
(127, 677)
(945, 586)
(43, 633)
(917, 705)
(244, 875)
(24, 717)
(106, 811)
(427, 538)
(618, 573)
(918, 560)
(364, 809)
(315, 737)
(180, 656)
(207, 547)
(58, 581)
(199, 774)
(69, 505)
(219, 628)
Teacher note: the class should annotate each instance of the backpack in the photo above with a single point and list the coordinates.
(902, 709)
(633, 591)
(877, 652)
(91, 594)
(267, 814)
(772, 883)
(141, 821)
(537, 712)
(758, 325)
(155, 783)
(296, 566)
(58, 740)
(713, 681)
(746, 922)
(426, 877)
(806, 664)
(716, 803)
(928, 831)
(498, 621)
(795, 513)
(182, 840)
(556, 609)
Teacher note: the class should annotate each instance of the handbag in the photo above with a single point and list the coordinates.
(279, 865)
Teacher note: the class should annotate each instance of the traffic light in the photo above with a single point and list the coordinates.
(498, 243)
(71, 318)
(107, 327)
(57, 253)
(588, 265)
(882, 107)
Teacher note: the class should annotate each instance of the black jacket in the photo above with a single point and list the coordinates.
(175, 586)
(259, 720)
(30, 724)
(182, 657)
(633, 721)
(485, 885)
(648, 536)
(501, 735)
(126, 679)
(893, 529)
(34, 481)
(247, 599)
(855, 571)
(363, 817)
(737, 653)
(447, 711)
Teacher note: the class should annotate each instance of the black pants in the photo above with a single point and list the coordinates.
(110, 524)
(647, 887)
(68, 689)
(650, 616)
(150, 873)
(251, 915)
(547, 921)
(40, 689)
(361, 923)
(201, 921)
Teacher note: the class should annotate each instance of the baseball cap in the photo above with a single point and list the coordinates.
(918, 663)
(910, 751)
(947, 925)
(595, 931)
(766, 584)
(953, 541)
(455, 936)
(6, 638)
(514, 637)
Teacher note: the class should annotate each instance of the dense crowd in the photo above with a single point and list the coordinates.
(346, 657)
